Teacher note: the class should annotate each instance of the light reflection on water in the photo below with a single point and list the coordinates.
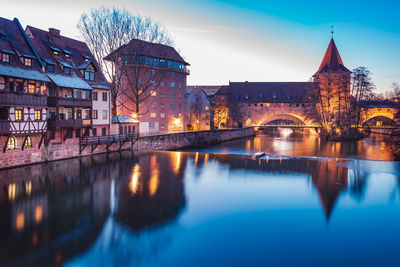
(304, 145)
(201, 209)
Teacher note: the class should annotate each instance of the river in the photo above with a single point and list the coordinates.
(307, 202)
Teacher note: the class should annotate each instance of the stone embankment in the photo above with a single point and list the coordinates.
(71, 148)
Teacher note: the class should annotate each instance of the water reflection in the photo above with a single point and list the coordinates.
(163, 207)
(304, 145)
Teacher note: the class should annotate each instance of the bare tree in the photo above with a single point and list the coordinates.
(106, 29)
(221, 110)
(361, 89)
(236, 113)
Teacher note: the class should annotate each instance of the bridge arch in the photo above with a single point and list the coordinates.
(297, 119)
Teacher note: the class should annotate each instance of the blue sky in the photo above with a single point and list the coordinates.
(233, 40)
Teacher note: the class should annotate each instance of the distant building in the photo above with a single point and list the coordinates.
(76, 80)
(124, 125)
(197, 110)
(153, 75)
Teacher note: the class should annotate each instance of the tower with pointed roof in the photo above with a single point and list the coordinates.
(333, 80)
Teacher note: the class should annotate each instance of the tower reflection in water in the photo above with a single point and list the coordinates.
(124, 208)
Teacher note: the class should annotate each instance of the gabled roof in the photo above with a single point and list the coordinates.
(17, 45)
(46, 42)
(332, 62)
(140, 47)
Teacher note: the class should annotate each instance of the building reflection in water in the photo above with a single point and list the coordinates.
(126, 206)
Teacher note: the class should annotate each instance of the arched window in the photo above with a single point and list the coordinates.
(12, 143)
(28, 142)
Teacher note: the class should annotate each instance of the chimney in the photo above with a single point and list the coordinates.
(54, 32)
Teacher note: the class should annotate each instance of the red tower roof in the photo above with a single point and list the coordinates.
(332, 61)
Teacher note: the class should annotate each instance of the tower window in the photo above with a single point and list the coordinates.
(28, 62)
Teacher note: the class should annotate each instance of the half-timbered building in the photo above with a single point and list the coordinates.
(23, 92)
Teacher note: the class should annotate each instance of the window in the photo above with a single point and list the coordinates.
(94, 96)
(172, 105)
(162, 125)
(153, 115)
(55, 53)
(79, 114)
(94, 114)
(94, 131)
(67, 71)
(161, 83)
(172, 74)
(12, 143)
(152, 71)
(162, 105)
(172, 84)
(172, 95)
(38, 114)
(50, 68)
(87, 114)
(104, 96)
(162, 115)
(153, 93)
(19, 114)
(179, 95)
(78, 94)
(28, 142)
(28, 62)
(151, 125)
(78, 133)
(2, 83)
(162, 94)
(67, 55)
(105, 114)
(104, 131)
(89, 75)
(32, 88)
(6, 58)
(179, 85)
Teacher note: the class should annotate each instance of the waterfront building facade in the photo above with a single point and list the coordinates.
(197, 110)
(75, 77)
(23, 94)
(153, 85)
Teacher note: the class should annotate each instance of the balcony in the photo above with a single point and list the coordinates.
(53, 101)
(22, 99)
(68, 123)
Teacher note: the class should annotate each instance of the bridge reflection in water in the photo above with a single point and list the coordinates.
(126, 209)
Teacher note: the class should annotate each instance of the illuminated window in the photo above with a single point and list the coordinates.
(153, 93)
(153, 115)
(28, 62)
(32, 88)
(6, 58)
(95, 114)
(179, 95)
(207, 107)
(12, 143)
(19, 114)
(38, 114)
(55, 53)
(28, 142)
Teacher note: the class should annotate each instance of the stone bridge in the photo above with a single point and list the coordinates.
(297, 114)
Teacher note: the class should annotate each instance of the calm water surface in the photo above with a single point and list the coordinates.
(308, 203)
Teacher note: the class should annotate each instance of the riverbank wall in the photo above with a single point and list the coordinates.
(71, 148)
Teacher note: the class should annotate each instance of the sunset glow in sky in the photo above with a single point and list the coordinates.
(233, 40)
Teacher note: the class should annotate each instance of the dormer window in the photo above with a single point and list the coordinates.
(86, 58)
(55, 50)
(67, 71)
(67, 54)
(6, 58)
(89, 75)
(28, 62)
(50, 68)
